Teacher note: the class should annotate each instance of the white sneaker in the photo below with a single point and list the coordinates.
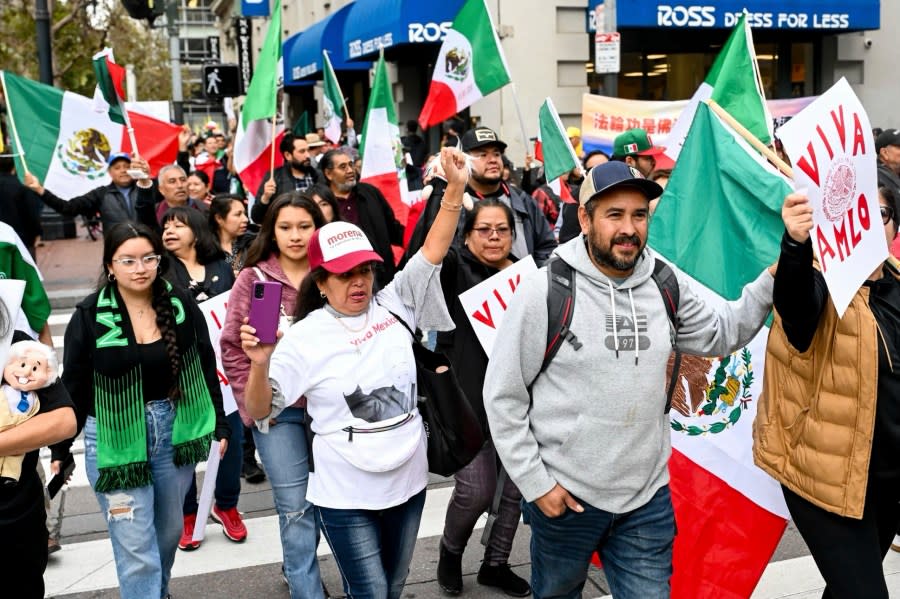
(896, 544)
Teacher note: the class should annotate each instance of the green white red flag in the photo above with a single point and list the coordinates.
(731, 515)
(254, 138)
(469, 66)
(110, 86)
(553, 147)
(735, 84)
(383, 163)
(66, 143)
(333, 100)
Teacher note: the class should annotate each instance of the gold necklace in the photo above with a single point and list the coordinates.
(351, 331)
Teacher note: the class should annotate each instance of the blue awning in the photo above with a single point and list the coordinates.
(827, 16)
(375, 24)
(302, 51)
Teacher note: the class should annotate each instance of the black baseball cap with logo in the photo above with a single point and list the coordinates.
(480, 137)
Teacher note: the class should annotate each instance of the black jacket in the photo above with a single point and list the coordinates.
(462, 271)
(538, 235)
(377, 221)
(888, 178)
(20, 208)
(284, 182)
(107, 200)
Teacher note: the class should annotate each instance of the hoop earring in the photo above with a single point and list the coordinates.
(322, 295)
(110, 277)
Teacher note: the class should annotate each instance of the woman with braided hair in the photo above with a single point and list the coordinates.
(141, 370)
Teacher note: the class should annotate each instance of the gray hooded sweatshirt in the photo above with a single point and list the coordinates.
(595, 422)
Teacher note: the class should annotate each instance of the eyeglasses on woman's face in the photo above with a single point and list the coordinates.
(130, 263)
(486, 232)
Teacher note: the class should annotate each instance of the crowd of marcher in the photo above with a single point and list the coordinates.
(331, 407)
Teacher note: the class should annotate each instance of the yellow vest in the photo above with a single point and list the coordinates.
(816, 414)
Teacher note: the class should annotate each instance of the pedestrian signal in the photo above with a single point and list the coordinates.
(221, 81)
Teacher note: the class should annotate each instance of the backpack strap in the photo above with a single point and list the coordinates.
(665, 279)
(560, 308)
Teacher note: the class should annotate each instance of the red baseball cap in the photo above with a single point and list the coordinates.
(340, 247)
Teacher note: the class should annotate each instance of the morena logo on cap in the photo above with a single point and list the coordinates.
(348, 235)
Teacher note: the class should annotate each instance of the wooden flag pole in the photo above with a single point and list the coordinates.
(272, 157)
(763, 149)
(12, 124)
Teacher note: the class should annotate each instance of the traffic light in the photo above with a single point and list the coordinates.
(145, 9)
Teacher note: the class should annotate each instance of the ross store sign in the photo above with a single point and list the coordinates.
(823, 15)
(428, 32)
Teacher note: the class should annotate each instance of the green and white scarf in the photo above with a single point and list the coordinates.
(119, 401)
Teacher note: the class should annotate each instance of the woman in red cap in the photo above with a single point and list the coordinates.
(351, 357)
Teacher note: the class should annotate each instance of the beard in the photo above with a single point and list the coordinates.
(346, 186)
(304, 166)
(487, 181)
(605, 256)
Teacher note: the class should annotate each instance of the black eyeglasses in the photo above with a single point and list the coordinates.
(887, 214)
(486, 232)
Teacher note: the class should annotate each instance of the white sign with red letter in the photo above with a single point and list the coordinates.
(486, 303)
(830, 145)
(214, 311)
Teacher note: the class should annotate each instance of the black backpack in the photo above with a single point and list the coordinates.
(561, 306)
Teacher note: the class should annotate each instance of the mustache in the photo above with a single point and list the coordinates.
(626, 239)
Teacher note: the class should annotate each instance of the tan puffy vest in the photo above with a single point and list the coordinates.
(816, 414)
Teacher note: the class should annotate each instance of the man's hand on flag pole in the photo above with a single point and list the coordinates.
(797, 214)
(32, 183)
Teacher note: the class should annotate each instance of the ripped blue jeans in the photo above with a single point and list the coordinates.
(284, 456)
(144, 523)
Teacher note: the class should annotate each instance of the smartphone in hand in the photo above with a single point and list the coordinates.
(58, 480)
(265, 308)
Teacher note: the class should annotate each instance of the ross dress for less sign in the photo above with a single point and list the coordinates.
(830, 145)
(486, 303)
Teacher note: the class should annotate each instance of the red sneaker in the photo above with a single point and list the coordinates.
(232, 524)
(185, 543)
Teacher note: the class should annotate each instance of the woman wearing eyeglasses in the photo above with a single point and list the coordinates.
(828, 422)
(142, 373)
(488, 234)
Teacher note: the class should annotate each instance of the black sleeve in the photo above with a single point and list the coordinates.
(570, 228)
(527, 183)
(800, 293)
(78, 373)
(145, 207)
(86, 205)
(208, 364)
(544, 241)
(183, 159)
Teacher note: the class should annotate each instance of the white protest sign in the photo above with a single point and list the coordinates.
(207, 493)
(214, 312)
(486, 303)
(830, 145)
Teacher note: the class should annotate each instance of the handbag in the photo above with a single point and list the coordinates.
(453, 431)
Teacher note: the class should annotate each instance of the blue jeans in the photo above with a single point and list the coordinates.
(144, 523)
(373, 548)
(635, 547)
(228, 480)
(284, 455)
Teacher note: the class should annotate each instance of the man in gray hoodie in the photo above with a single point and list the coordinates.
(587, 439)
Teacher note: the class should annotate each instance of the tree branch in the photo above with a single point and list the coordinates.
(60, 72)
(77, 5)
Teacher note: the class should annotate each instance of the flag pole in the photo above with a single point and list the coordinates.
(519, 113)
(338, 84)
(12, 123)
(763, 149)
(274, 117)
(129, 128)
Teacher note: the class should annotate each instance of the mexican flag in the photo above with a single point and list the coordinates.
(16, 263)
(735, 84)
(383, 164)
(110, 86)
(553, 147)
(254, 140)
(68, 151)
(730, 514)
(333, 100)
(469, 66)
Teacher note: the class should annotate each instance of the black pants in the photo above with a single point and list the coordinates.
(23, 551)
(849, 552)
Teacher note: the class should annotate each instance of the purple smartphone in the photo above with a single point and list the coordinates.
(265, 308)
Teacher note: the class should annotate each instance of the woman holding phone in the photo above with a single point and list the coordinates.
(279, 255)
(350, 355)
